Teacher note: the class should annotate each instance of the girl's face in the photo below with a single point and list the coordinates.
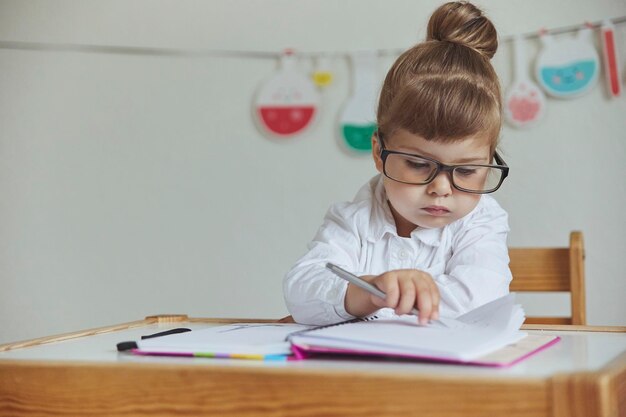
(438, 203)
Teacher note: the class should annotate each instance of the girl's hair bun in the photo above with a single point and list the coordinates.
(463, 23)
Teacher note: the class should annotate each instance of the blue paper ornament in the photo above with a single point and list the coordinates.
(568, 68)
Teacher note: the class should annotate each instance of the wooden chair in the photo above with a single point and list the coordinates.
(552, 269)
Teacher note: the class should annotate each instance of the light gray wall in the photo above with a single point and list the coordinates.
(134, 185)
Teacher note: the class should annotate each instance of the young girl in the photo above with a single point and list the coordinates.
(424, 230)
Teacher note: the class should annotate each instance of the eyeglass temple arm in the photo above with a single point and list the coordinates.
(380, 139)
(499, 159)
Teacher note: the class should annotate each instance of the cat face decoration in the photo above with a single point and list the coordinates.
(568, 68)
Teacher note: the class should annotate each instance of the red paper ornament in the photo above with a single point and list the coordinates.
(611, 60)
(287, 103)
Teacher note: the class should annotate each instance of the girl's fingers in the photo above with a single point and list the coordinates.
(408, 297)
(424, 302)
(387, 283)
(434, 291)
(405, 291)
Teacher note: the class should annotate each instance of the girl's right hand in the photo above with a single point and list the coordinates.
(405, 289)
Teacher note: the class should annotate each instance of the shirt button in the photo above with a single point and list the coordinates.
(403, 254)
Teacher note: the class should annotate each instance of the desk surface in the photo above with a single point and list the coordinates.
(584, 374)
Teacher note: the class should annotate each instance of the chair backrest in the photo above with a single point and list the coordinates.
(552, 269)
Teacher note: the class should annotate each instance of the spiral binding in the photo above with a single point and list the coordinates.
(356, 320)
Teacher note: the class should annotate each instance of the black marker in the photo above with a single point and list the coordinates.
(122, 346)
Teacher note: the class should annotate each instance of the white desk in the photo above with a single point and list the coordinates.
(83, 374)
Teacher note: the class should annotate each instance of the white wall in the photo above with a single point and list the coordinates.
(118, 196)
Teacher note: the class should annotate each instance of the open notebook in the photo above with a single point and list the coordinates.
(488, 335)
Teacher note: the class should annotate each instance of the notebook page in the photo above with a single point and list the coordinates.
(501, 313)
(496, 312)
(241, 338)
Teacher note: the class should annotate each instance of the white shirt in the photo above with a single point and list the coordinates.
(468, 259)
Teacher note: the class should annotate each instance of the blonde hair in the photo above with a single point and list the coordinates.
(445, 89)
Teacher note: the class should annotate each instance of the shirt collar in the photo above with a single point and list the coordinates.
(430, 237)
(382, 221)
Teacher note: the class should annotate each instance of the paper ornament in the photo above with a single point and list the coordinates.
(569, 67)
(525, 103)
(358, 118)
(287, 103)
(322, 76)
(611, 62)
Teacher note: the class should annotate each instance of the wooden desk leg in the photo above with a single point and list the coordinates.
(591, 394)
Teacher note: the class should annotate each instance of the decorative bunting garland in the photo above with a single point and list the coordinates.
(288, 102)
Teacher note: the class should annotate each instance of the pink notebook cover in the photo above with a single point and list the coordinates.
(507, 356)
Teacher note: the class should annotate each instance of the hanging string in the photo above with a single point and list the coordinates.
(131, 50)
(572, 28)
(176, 52)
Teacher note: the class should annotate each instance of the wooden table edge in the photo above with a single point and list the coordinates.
(574, 328)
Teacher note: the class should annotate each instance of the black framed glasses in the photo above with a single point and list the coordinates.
(419, 170)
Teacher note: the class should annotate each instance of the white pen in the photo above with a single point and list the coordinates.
(361, 283)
